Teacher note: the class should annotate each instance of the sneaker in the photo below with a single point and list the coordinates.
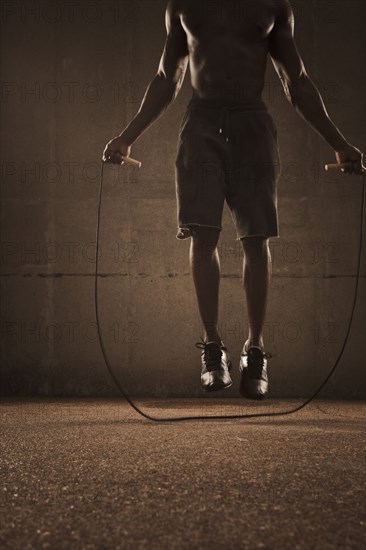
(216, 366)
(254, 377)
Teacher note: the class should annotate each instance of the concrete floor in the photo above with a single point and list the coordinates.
(91, 474)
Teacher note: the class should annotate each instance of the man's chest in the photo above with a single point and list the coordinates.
(249, 19)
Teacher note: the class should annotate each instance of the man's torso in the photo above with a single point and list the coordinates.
(228, 45)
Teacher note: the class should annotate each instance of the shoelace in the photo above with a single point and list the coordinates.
(256, 363)
(212, 354)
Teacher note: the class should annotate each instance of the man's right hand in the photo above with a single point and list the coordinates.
(354, 157)
(116, 145)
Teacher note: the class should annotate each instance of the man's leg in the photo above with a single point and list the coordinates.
(205, 269)
(257, 271)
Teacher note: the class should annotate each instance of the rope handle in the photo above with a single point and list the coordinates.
(338, 166)
(117, 158)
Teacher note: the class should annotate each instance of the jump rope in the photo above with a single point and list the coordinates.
(119, 159)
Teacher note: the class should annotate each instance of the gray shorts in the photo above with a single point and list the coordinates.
(227, 152)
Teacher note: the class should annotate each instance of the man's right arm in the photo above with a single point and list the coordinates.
(165, 86)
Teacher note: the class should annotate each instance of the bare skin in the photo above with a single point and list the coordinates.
(226, 45)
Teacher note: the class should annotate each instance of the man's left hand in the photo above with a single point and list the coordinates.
(354, 157)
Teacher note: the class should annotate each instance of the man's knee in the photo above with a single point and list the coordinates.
(205, 240)
(205, 235)
(255, 247)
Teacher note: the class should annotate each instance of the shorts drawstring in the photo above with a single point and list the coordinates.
(224, 118)
(224, 126)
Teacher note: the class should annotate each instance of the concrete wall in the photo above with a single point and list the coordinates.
(71, 79)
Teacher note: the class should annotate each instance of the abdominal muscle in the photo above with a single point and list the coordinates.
(227, 53)
(234, 78)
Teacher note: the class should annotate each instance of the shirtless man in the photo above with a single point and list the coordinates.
(225, 126)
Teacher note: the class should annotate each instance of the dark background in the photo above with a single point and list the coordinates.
(72, 76)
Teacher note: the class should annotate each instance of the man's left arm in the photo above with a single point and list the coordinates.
(301, 91)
